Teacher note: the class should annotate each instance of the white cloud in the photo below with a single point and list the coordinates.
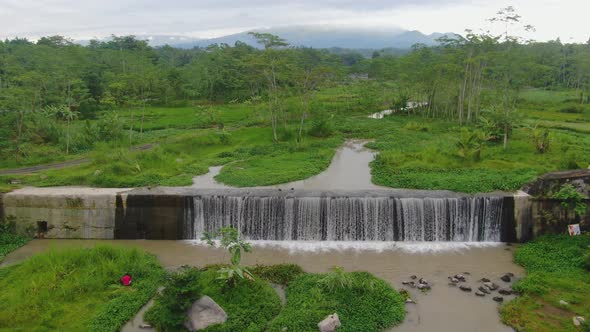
(209, 18)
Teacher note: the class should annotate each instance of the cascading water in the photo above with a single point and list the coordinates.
(347, 218)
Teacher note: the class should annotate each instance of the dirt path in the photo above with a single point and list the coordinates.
(63, 164)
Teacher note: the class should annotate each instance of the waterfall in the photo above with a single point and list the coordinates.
(341, 218)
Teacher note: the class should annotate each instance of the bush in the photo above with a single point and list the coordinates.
(249, 305)
(281, 274)
(181, 290)
(360, 307)
(321, 128)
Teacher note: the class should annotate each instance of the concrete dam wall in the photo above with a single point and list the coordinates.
(263, 214)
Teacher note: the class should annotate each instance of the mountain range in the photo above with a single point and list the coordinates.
(313, 37)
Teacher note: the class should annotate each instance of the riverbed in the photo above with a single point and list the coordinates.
(444, 308)
(349, 170)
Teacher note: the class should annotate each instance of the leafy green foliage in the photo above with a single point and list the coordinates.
(281, 274)
(571, 199)
(77, 289)
(250, 306)
(182, 288)
(230, 240)
(360, 308)
(555, 271)
(9, 240)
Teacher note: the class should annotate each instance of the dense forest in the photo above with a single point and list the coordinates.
(161, 115)
(46, 85)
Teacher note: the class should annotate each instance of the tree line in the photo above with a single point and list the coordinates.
(464, 79)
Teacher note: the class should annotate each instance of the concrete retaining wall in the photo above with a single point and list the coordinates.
(85, 213)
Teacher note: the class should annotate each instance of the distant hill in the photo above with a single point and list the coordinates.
(314, 37)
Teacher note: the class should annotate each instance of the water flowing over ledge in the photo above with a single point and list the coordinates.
(298, 247)
(347, 218)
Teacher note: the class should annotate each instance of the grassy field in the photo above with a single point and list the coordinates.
(414, 152)
(558, 268)
(76, 290)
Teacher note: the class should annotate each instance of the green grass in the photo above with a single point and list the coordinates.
(364, 304)
(250, 305)
(9, 243)
(414, 152)
(555, 271)
(76, 289)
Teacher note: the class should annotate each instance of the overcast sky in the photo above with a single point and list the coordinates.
(85, 19)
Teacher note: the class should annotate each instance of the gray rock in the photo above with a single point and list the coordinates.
(409, 300)
(484, 289)
(460, 277)
(454, 280)
(423, 286)
(505, 291)
(498, 299)
(562, 302)
(578, 320)
(480, 293)
(465, 288)
(203, 313)
(485, 280)
(413, 277)
(492, 286)
(505, 278)
(423, 281)
(330, 323)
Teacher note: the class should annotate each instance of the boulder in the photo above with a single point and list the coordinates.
(498, 299)
(330, 323)
(203, 313)
(465, 288)
(454, 280)
(562, 302)
(480, 293)
(423, 281)
(423, 286)
(484, 289)
(492, 286)
(485, 280)
(505, 291)
(413, 277)
(505, 278)
(460, 277)
(578, 320)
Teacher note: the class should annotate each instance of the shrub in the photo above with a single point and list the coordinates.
(281, 274)
(360, 308)
(321, 128)
(181, 290)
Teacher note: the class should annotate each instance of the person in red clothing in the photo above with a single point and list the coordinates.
(126, 280)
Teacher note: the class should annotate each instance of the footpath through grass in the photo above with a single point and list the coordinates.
(76, 290)
(558, 268)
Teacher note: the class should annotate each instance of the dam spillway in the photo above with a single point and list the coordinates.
(263, 214)
(380, 215)
(347, 218)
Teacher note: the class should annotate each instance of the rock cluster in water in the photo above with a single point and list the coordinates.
(487, 287)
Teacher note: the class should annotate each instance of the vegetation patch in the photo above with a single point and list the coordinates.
(362, 301)
(77, 289)
(249, 304)
(9, 240)
(556, 271)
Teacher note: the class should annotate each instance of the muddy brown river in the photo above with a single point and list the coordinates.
(444, 308)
